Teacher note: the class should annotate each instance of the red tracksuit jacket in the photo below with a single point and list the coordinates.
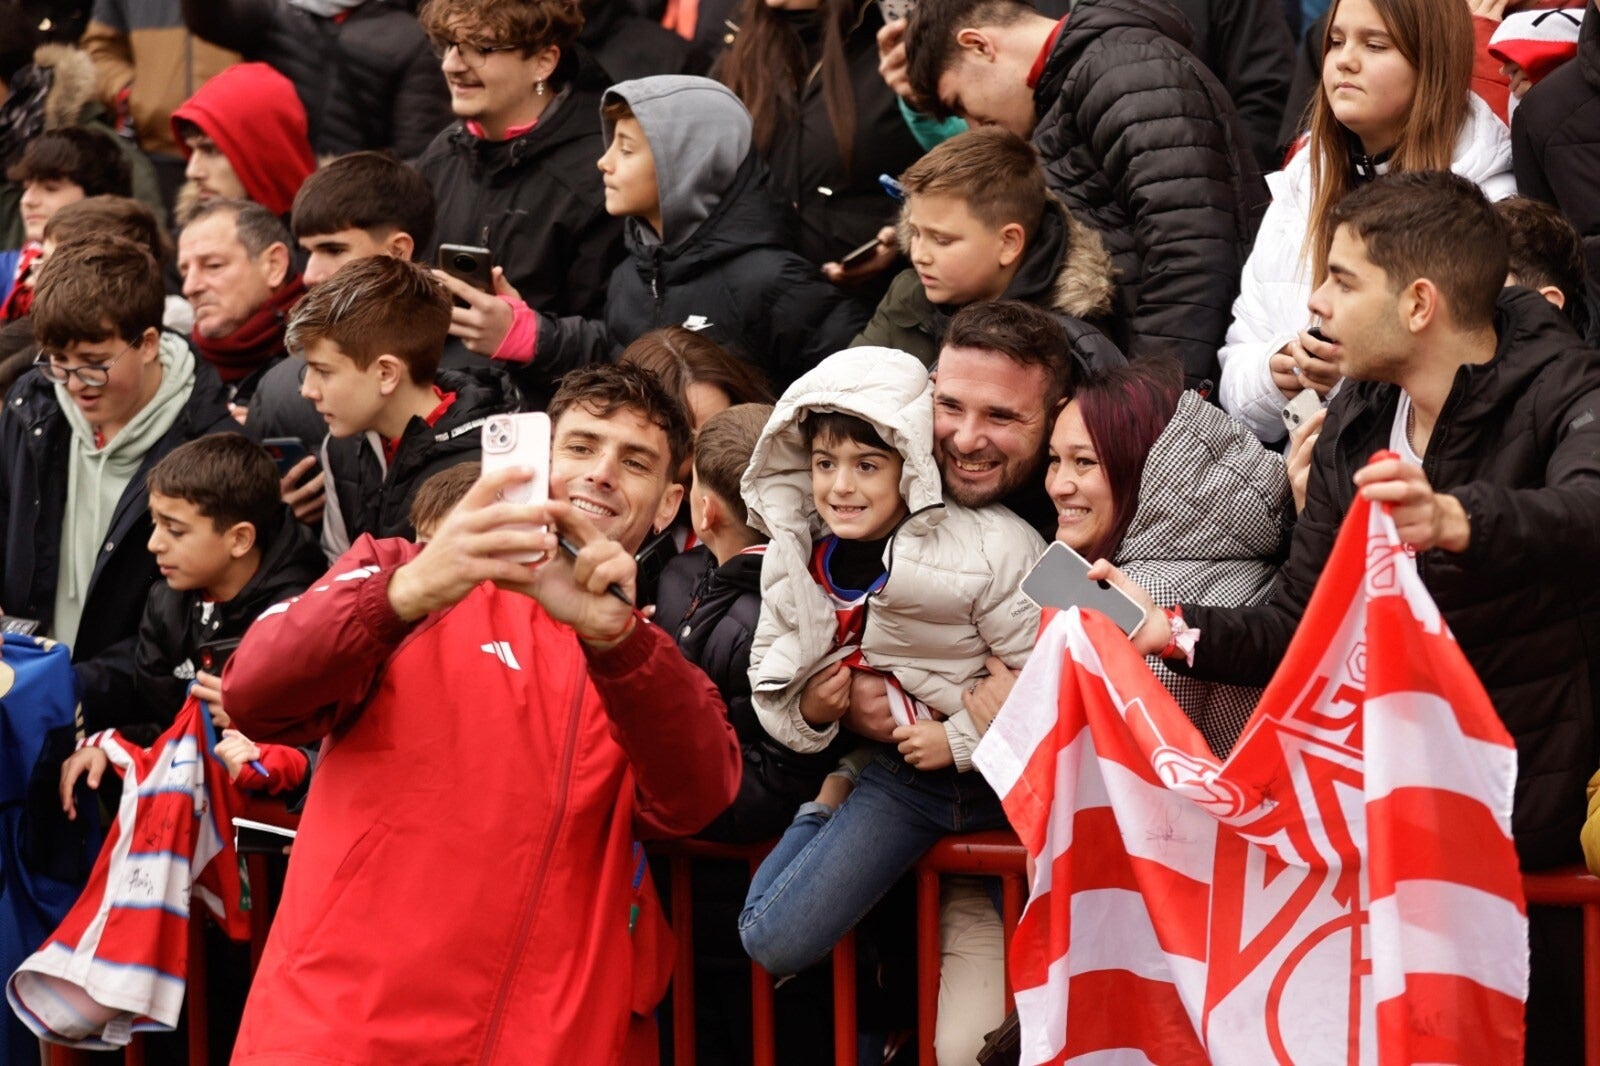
(464, 882)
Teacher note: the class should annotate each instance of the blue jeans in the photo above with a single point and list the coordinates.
(831, 867)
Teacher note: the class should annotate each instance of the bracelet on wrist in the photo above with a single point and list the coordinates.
(1181, 644)
(613, 639)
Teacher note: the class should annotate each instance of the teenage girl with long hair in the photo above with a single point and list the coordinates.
(1396, 95)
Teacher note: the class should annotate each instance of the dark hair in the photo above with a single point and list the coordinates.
(439, 494)
(100, 216)
(931, 46)
(615, 109)
(681, 357)
(533, 24)
(1027, 334)
(376, 306)
(723, 449)
(993, 171)
(87, 158)
(1543, 249)
(1125, 409)
(227, 477)
(372, 191)
(837, 426)
(258, 228)
(768, 68)
(89, 289)
(1437, 225)
(604, 389)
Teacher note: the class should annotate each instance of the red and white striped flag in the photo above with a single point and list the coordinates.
(1342, 890)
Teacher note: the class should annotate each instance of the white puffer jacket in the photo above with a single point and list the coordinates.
(1270, 309)
(953, 594)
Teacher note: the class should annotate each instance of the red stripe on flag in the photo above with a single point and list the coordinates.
(1420, 833)
(1425, 1024)
(1109, 1009)
(1418, 661)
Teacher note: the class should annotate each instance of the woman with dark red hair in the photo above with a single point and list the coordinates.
(1183, 498)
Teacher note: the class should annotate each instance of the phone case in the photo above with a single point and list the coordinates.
(896, 9)
(1300, 407)
(1059, 579)
(520, 440)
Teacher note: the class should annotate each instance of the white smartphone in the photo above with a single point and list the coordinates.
(1060, 579)
(896, 9)
(1300, 407)
(520, 440)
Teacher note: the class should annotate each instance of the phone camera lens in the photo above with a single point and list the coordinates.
(465, 263)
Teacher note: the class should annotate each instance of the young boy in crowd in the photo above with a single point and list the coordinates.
(439, 495)
(59, 167)
(980, 224)
(710, 600)
(1546, 255)
(228, 550)
(371, 337)
(706, 243)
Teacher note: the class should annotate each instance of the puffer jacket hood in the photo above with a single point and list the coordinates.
(699, 134)
(888, 389)
(256, 118)
(1209, 491)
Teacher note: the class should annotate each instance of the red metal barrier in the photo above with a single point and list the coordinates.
(1573, 886)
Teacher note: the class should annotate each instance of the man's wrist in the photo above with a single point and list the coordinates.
(405, 600)
(1455, 526)
(605, 641)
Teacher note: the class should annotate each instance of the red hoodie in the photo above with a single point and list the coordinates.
(254, 115)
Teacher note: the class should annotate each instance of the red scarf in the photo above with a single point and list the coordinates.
(239, 354)
(20, 301)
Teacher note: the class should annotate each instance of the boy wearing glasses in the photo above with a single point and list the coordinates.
(112, 396)
(516, 172)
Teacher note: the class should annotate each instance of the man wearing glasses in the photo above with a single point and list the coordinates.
(111, 395)
(516, 173)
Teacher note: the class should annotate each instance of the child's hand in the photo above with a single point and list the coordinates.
(236, 752)
(208, 687)
(984, 699)
(925, 745)
(826, 696)
(92, 761)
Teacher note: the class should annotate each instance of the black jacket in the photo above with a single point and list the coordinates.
(535, 201)
(370, 500)
(712, 611)
(840, 208)
(34, 445)
(1555, 144)
(176, 625)
(1144, 145)
(733, 280)
(367, 81)
(1518, 443)
(627, 45)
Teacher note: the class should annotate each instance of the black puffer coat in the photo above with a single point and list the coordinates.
(176, 624)
(1144, 145)
(365, 498)
(34, 448)
(1518, 443)
(535, 201)
(1555, 143)
(711, 611)
(367, 81)
(733, 281)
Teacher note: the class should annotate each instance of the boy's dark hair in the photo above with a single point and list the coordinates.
(101, 216)
(931, 46)
(372, 191)
(604, 389)
(722, 450)
(836, 426)
(227, 477)
(90, 289)
(87, 158)
(1542, 246)
(257, 227)
(1027, 334)
(615, 109)
(439, 494)
(993, 171)
(376, 306)
(1437, 225)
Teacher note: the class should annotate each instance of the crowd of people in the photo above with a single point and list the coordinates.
(840, 312)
